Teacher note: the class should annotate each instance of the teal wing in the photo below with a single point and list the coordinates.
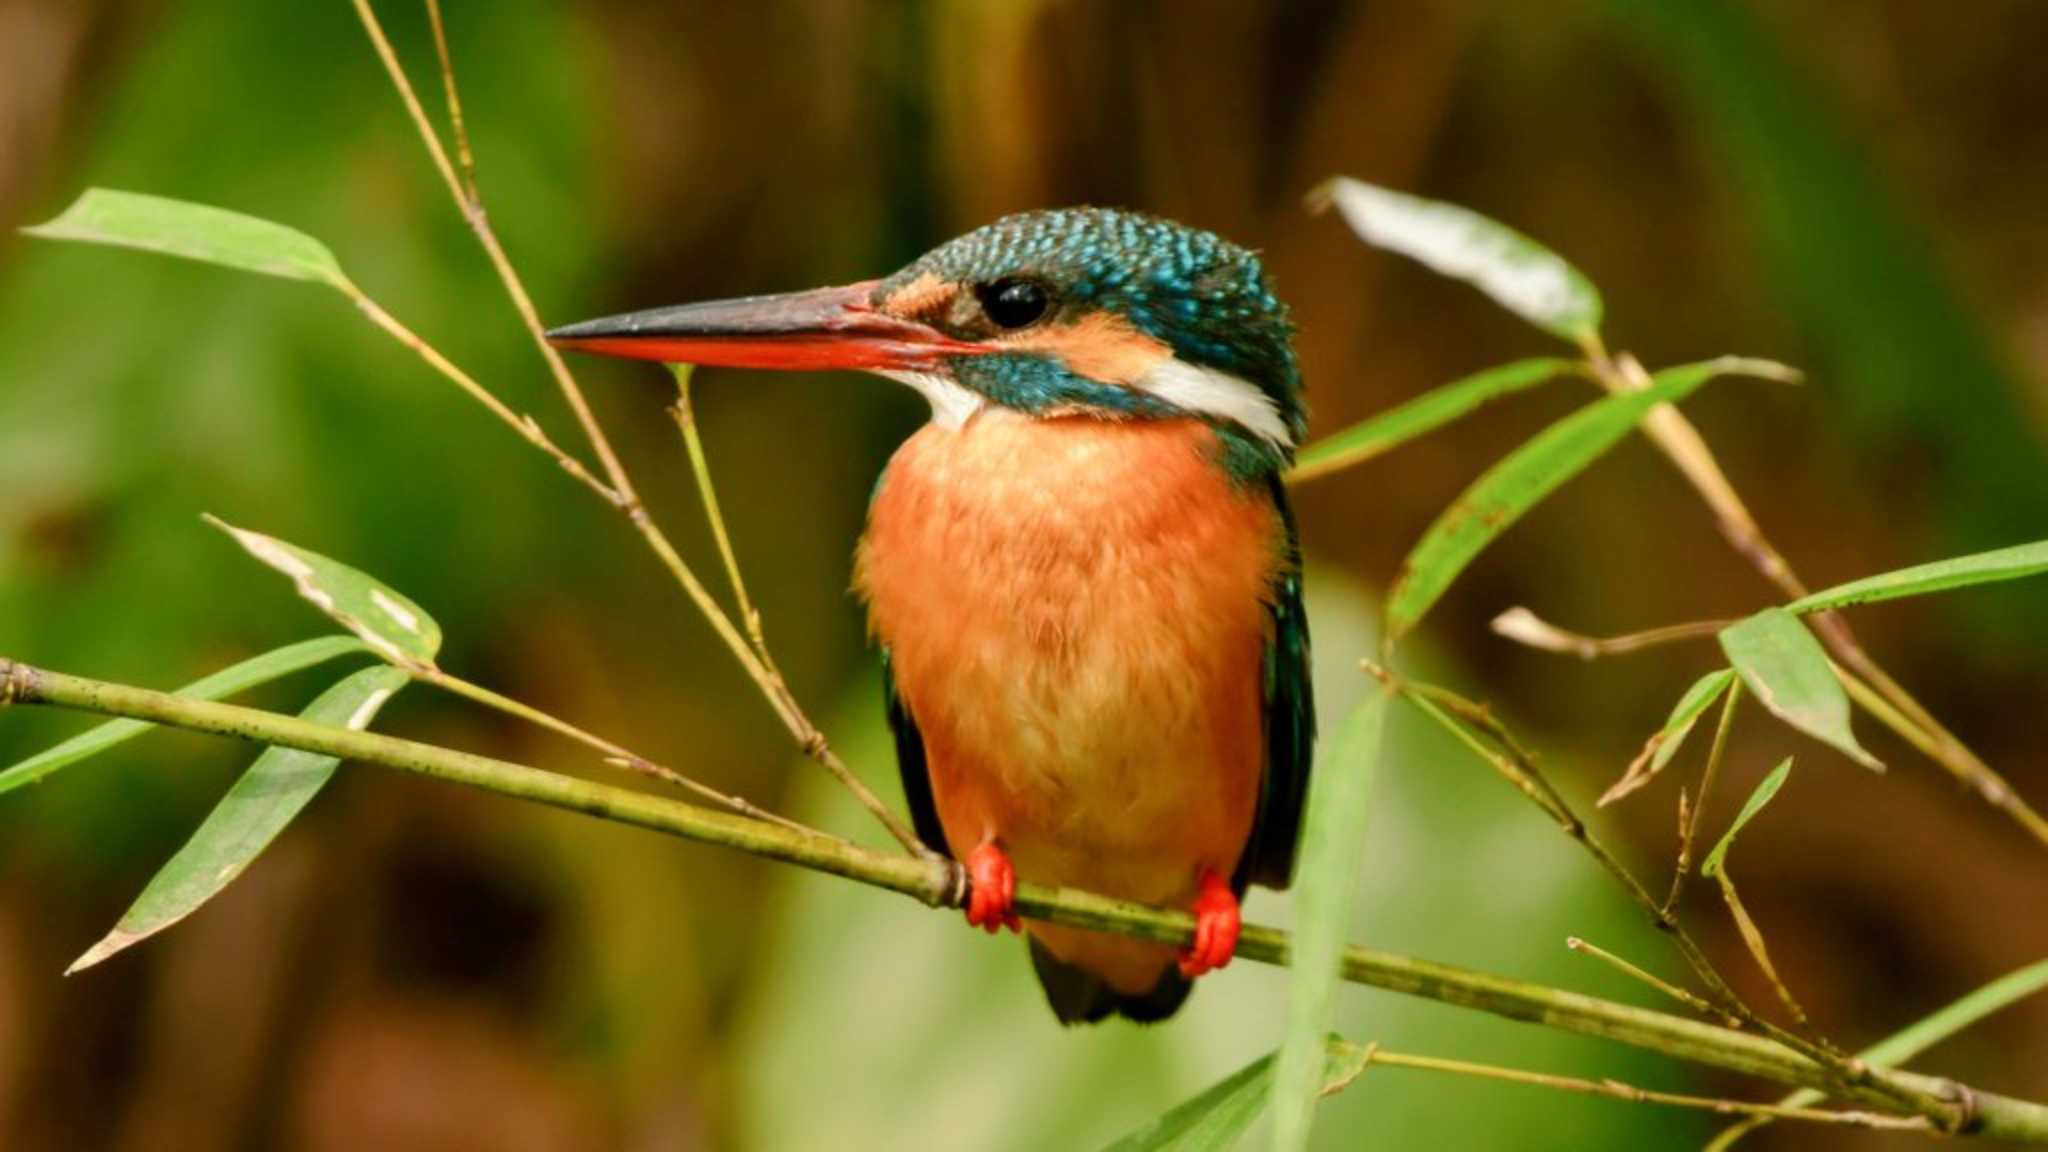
(910, 761)
(1290, 722)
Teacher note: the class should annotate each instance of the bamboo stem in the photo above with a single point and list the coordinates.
(940, 883)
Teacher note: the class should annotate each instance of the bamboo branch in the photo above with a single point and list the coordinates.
(1615, 1089)
(620, 492)
(1519, 768)
(1682, 443)
(1950, 1106)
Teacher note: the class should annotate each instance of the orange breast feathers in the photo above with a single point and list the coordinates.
(1075, 612)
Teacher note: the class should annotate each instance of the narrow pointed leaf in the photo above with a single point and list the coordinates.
(1782, 663)
(1333, 843)
(1421, 416)
(195, 232)
(1517, 482)
(219, 686)
(1716, 868)
(1218, 1118)
(1663, 745)
(1760, 796)
(393, 626)
(2013, 563)
(268, 796)
(1521, 275)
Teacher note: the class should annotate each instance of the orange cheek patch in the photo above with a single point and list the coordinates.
(1101, 346)
(923, 296)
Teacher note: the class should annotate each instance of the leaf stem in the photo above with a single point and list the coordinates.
(940, 883)
(1689, 829)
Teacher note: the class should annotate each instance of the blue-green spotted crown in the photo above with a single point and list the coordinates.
(1205, 297)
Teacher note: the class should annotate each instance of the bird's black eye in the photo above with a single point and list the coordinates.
(1013, 302)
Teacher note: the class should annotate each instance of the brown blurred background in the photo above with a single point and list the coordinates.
(1854, 188)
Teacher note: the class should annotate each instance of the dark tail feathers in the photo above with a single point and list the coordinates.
(1077, 997)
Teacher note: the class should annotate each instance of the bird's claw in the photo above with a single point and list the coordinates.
(1217, 923)
(992, 890)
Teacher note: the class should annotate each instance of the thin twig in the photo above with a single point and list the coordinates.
(615, 754)
(685, 414)
(1689, 828)
(1615, 1089)
(621, 492)
(1691, 1000)
(463, 154)
(1682, 443)
(1521, 771)
(528, 428)
(1949, 1105)
(1525, 627)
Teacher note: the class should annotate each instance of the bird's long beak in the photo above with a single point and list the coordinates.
(829, 328)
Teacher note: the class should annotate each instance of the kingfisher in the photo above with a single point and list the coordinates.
(1082, 573)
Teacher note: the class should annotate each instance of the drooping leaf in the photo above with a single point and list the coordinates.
(195, 232)
(1332, 844)
(1518, 481)
(1760, 796)
(1664, 744)
(1716, 867)
(1218, 1118)
(259, 806)
(1419, 417)
(219, 686)
(395, 627)
(2013, 563)
(1786, 668)
(1521, 275)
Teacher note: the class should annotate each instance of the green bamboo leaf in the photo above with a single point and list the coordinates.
(1218, 1118)
(1786, 668)
(219, 686)
(1332, 844)
(1940, 576)
(1664, 744)
(195, 232)
(1521, 275)
(1764, 791)
(395, 627)
(259, 806)
(1531, 472)
(1424, 414)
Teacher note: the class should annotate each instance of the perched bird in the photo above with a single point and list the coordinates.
(1082, 573)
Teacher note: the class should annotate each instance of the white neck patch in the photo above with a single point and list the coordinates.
(952, 402)
(1217, 394)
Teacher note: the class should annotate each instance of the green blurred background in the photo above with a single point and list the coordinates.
(1854, 188)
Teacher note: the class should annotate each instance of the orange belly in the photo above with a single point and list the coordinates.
(1074, 610)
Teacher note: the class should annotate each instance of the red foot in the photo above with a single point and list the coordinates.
(1216, 926)
(992, 888)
